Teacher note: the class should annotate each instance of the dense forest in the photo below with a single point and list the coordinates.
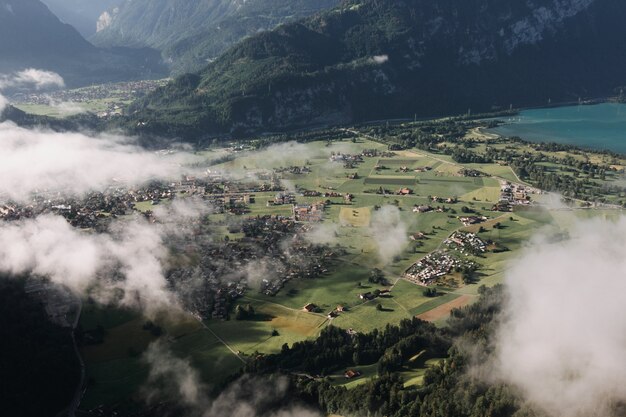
(378, 59)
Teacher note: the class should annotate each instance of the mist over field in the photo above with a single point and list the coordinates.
(389, 232)
(562, 337)
(74, 163)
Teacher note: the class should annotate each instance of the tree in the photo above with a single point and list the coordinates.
(376, 276)
(430, 292)
(244, 312)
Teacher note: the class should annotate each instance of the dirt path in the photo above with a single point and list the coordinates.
(443, 311)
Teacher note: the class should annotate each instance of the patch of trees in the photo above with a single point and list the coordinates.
(430, 292)
(448, 390)
(244, 312)
(154, 329)
(377, 277)
(335, 349)
(464, 156)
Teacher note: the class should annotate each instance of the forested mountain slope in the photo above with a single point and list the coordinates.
(373, 59)
(191, 33)
(31, 36)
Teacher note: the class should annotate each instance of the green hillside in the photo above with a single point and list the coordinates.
(373, 59)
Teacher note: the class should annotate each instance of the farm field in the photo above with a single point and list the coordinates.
(359, 230)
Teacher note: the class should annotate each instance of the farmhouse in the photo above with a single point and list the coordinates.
(469, 220)
(352, 373)
(422, 209)
(466, 243)
(310, 308)
(308, 212)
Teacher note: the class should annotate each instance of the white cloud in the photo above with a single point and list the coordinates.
(89, 263)
(563, 340)
(174, 379)
(3, 103)
(67, 108)
(32, 160)
(389, 231)
(32, 78)
(380, 59)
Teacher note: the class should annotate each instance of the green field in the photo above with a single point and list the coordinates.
(116, 371)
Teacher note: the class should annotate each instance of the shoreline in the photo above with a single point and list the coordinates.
(546, 139)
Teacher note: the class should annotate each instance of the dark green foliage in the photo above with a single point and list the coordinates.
(433, 57)
(377, 277)
(335, 348)
(198, 31)
(39, 370)
(155, 330)
(244, 312)
(430, 292)
(448, 390)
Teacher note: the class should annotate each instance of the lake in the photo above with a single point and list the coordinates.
(600, 126)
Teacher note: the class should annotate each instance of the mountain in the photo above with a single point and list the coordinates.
(193, 53)
(31, 36)
(157, 23)
(191, 33)
(373, 59)
(82, 14)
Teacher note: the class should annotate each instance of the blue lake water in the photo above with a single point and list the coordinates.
(600, 126)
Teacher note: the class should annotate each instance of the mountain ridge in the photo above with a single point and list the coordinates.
(385, 59)
(32, 36)
(192, 34)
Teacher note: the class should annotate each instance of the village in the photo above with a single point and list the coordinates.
(272, 252)
(114, 96)
(512, 195)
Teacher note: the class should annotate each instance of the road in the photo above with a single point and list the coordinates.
(70, 411)
(222, 341)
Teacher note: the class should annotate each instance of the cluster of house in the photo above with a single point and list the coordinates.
(286, 271)
(449, 200)
(418, 169)
(348, 160)
(374, 153)
(293, 170)
(512, 195)
(432, 267)
(368, 296)
(466, 243)
(423, 208)
(328, 194)
(283, 198)
(91, 208)
(220, 276)
(308, 212)
(117, 95)
(314, 308)
(470, 220)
